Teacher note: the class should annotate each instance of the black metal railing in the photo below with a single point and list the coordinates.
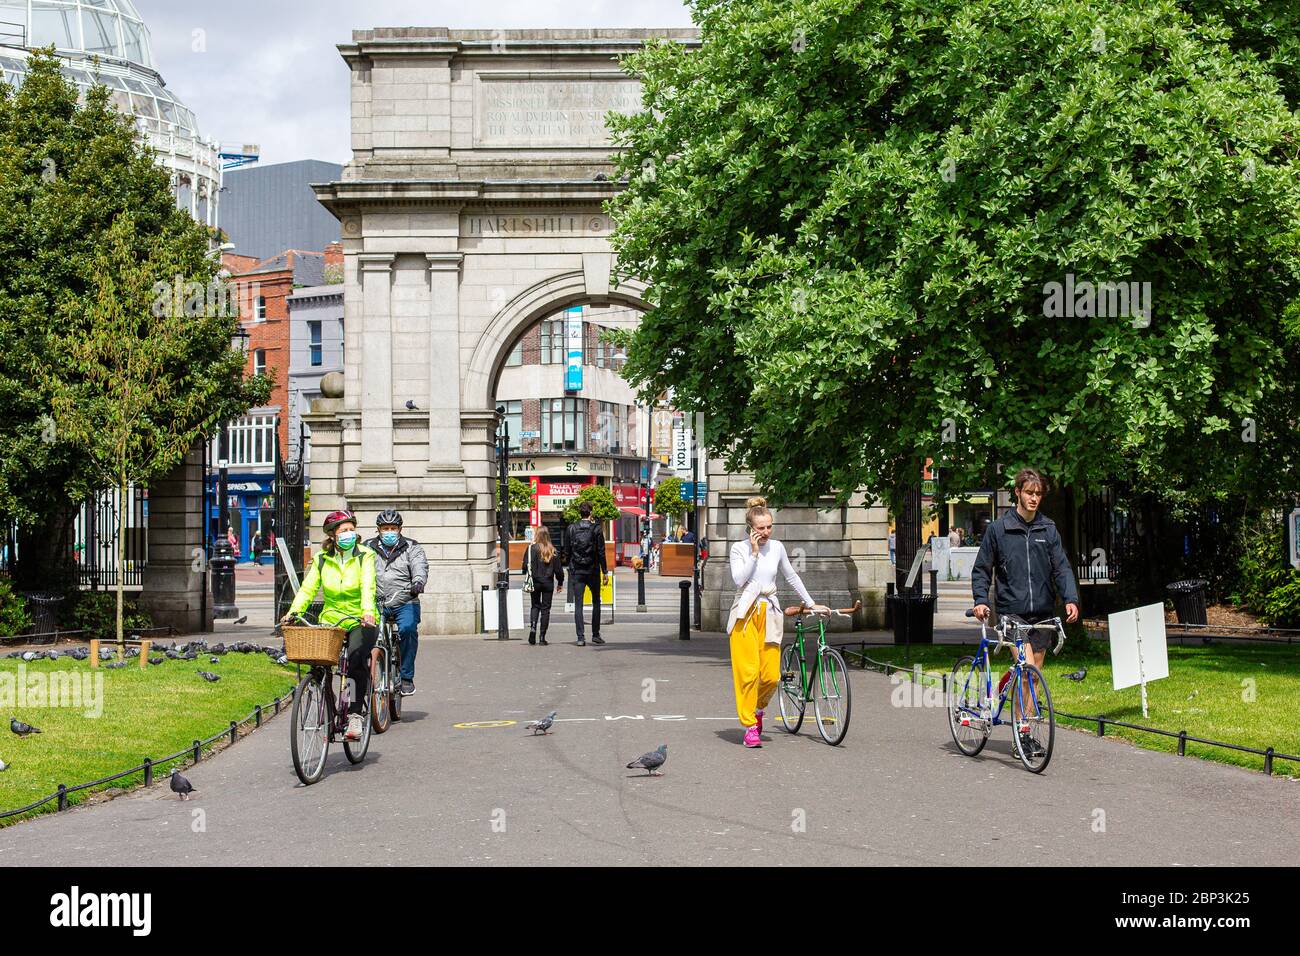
(1269, 754)
(150, 765)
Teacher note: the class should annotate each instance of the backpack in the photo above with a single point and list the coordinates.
(582, 545)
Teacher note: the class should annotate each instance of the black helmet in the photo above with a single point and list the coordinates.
(388, 517)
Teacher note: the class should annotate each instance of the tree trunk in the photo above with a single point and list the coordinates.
(117, 560)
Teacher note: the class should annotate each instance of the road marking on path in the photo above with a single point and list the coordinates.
(492, 724)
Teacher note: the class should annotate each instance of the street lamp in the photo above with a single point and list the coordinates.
(223, 556)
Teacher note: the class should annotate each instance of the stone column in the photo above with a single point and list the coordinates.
(444, 470)
(376, 474)
(174, 581)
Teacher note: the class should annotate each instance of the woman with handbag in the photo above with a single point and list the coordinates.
(543, 575)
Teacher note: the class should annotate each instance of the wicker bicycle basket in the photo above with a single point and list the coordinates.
(313, 645)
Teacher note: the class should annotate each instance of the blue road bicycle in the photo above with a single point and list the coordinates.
(973, 711)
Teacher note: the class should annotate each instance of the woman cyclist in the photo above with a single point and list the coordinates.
(345, 571)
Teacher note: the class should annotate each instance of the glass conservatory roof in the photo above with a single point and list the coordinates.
(109, 29)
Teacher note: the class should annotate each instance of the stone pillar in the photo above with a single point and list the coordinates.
(377, 473)
(174, 578)
(444, 470)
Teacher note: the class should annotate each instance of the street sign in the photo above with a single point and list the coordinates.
(700, 490)
(681, 460)
(1137, 648)
(1293, 537)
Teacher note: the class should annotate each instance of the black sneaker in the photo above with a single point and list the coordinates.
(543, 642)
(581, 642)
(408, 687)
(532, 638)
(597, 639)
(1029, 747)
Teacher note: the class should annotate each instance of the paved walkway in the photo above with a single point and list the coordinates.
(896, 792)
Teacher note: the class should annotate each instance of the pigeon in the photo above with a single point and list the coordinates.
(190, 656)
(79, 653)
(543, 725)
(30, 656)
(411, 406)
(14, 654)
(651, 762)
(115, 665)
(3, 766)
(210, 677)
(21, 729)
(51, 655)
(214, 660)
(156, 660)
(171, 654)
(105, 653)
(180, 786)
(282, 659)
(1080, 674)
(218, 648)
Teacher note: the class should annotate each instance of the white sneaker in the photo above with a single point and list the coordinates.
(355, 726)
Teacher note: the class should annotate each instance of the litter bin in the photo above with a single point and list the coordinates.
(1189, 600)
(913, 617)
(45, 612)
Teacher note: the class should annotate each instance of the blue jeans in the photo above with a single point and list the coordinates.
(407, 617)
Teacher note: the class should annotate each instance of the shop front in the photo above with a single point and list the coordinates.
(250, 503)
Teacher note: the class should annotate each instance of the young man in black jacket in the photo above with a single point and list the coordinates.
(585, 545)
(1023, 550)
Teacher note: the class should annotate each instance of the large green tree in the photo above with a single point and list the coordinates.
(68, 172)
(850, 216)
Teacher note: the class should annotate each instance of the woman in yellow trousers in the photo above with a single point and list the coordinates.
(755, 622)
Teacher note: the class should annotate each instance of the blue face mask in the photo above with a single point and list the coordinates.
(347, 539)
(390, 538)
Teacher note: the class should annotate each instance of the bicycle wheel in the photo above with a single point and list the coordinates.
(309, 728)
(789, 695)
(395, 686)
(1034, 728)
(966, 686)
(381, 693)
(832, 696)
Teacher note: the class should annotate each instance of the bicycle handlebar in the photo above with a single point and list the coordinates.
(1001, 631)
(802, 609)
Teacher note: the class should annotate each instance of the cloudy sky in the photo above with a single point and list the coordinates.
(268, 72)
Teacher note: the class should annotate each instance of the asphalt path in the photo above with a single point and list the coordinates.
(896, 792)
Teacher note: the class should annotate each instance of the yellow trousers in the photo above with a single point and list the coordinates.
(755, 664)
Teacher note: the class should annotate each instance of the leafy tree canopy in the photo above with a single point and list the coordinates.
(850, 216)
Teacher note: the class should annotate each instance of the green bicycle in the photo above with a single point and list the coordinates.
(827, 686)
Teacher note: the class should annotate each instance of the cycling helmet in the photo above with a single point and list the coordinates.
(336, 518)
(389, 517)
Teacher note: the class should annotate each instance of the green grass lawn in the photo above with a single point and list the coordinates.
(1207, 693)
(145, 713)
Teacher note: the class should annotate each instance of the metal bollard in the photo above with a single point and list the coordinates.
(1101, 727)
(684, 621)
(640, 587)
(148, 771)
(257, 716)
(63, 796)
(197, 751)
(234, 731)
(1268, 761)
(1182, 743)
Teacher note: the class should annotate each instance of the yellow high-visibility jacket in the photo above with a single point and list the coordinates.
(348, 582)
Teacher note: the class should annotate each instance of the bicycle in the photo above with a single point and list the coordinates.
(971, 715)
(829, 680)
(386, 677)
(319, 715)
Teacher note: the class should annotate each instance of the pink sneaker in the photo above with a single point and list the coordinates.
(751, 737)
(759, 714)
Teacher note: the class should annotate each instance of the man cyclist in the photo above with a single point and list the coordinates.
(344, 569)
(402, 571)
(1023, 550)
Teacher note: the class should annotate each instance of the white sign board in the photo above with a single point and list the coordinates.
(681, 460)
(1138, 652)
(1293, 537)
(514, 609)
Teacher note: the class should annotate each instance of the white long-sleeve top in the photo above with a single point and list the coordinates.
(755, 580)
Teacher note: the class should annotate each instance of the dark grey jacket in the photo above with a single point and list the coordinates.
(1027, 559)
(397, 570)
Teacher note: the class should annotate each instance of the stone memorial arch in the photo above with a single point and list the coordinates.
(471, 209)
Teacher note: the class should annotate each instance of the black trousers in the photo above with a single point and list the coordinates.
(587, 580)
(361, 641)
(541, 608)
